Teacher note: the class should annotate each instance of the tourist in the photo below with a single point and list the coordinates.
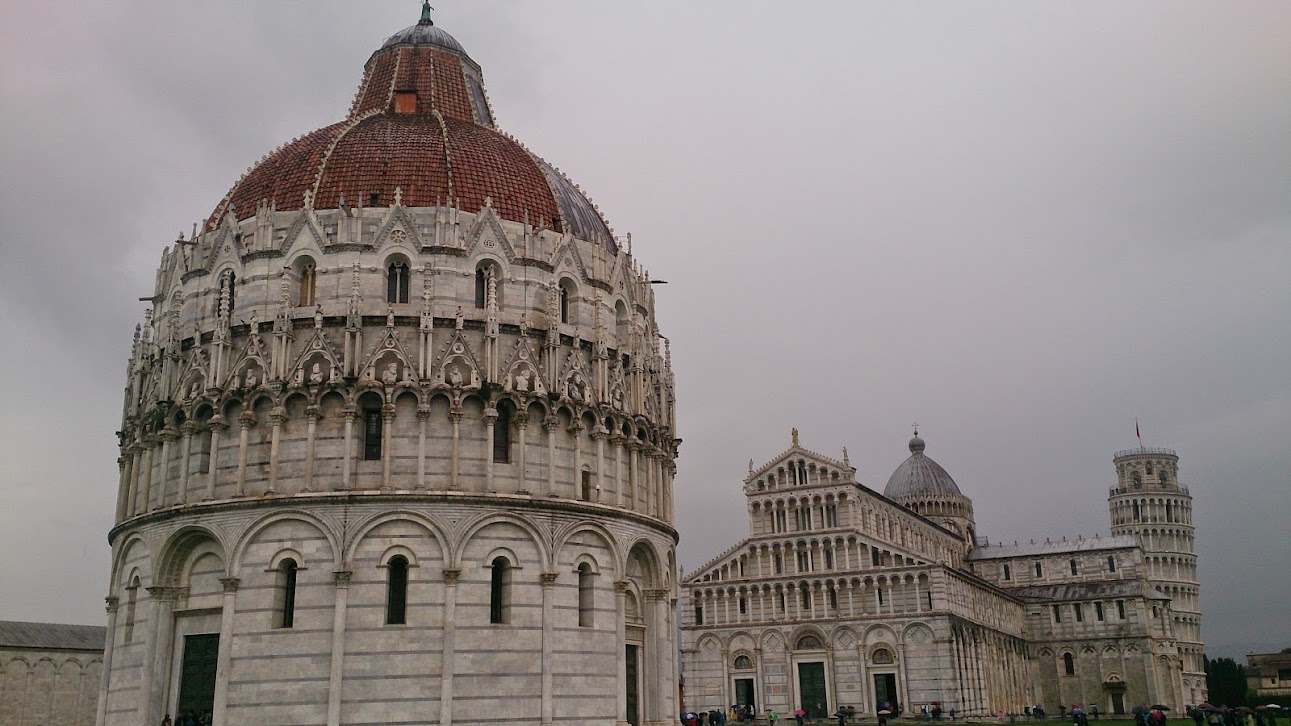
(772, 715)
(166, 721)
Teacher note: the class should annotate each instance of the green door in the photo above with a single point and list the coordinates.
(197, 677)
(744, 693)
(885, 692)
(633, 695)
(812, 697)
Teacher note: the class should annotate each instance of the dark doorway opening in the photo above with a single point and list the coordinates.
(1118, 703)
(885, 692)
(744, 693)
(197, 677)
(633, 678)
(812, 696)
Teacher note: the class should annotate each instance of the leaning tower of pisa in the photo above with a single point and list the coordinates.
(1149, 503)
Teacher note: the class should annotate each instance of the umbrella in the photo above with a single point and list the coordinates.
(1274, 705)
(800, 712)
(884, 712)
(1159, 707)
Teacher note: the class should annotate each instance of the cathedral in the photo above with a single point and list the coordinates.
(844, 597)
(398, 438)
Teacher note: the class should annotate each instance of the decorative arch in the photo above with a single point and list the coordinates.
(255, 528)
(563, 538)
(366, 526)
(474, 526)
(178, 550)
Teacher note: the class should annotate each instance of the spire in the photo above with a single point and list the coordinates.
(425, 13)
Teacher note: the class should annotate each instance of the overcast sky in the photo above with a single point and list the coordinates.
(1020, 224)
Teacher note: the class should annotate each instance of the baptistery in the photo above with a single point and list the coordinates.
(399, 437)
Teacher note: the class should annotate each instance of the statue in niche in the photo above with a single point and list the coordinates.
(318, 317)
(316, 374)
(390, 317)
(195, 390)
(390, 375)
(616, 398)
(459, 321)
(576, 388)
(455, 373)
(252, 379)
(254, 323)
(522, 380)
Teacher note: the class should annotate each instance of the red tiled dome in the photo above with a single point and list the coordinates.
(421, 124)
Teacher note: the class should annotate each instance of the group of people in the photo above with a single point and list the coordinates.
(188, 718)
(1206, 714)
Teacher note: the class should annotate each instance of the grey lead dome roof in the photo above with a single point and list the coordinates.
(425, 32)
(919, 476)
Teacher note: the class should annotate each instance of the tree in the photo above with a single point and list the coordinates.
(1226, 682)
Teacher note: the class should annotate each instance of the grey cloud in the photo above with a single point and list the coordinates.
(1022, 225)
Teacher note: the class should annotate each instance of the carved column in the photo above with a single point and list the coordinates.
(337, 671)
(617, 440)
(123, 485)
(168, 436)
(490, 422)
(145, 474)
(455, 416)
(423, 420)
(276, 417)
(185, 453)
(311, 419)
(621, 659)
(633, 448)
(599, 435)
(522, 426)
(387, 443)
(450, 631)
(246, 420)
(225, 651)
(157, 648)
(548, 626)
(350, 412)
(549, 426)
(100, 715)
(216, 425)
(575, 429)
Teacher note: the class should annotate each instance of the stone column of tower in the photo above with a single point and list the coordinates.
(1149, 503)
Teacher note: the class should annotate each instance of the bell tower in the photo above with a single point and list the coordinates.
(1149, 502)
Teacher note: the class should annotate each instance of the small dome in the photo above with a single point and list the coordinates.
(919, 476)
(425, 33)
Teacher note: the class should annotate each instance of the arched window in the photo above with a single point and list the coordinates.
(285, 594)
(1068, 664)
(481, 288)
(500, 591)
(1111, 563)
(882, 656)
(809, 642)
(1137, 478)
(1169, 511)
(586, 595)
(1008, 573)
(1149, 468)
(132, 599)
(1039, 570)
(397, 590)
(806, 599)
(1074, 570)
(1164, 478)
(502, 436)
(743, 663)
(1137, 512)
(564, 304)
(372, 434)
(397, 277)
(585, 486)
(308, 285)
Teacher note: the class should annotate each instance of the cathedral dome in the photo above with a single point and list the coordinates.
(420, 132)
(919, 476)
